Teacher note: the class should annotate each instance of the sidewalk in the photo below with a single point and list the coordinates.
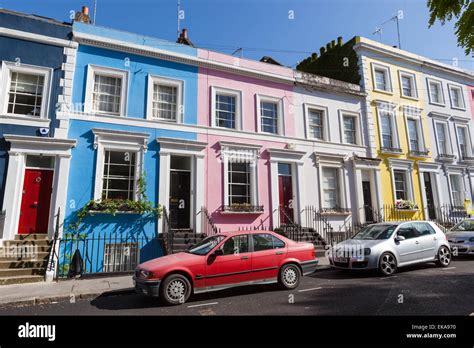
(44, 293)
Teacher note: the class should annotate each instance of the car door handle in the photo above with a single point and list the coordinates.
(279, 253)
(244, 258)
(417, 242)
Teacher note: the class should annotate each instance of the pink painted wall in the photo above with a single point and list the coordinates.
(249, 87)
(214, 183)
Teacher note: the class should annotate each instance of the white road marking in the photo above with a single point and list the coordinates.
(389, 277)
(203, 304)
(303, 290)
(444, 269)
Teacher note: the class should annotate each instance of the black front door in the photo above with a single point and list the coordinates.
(180, 185)
(429, 196)
(369, 214)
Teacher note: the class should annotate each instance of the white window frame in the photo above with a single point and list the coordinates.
(238, 106)
(468, 139)
(405, 183)
(403, 166)
(415, 116)
(440, 84)
(325, 120)
(461, 95)
(92, 70)
(412, 77)
(389, 109)
(106, 140)
(388, 78)
(243, 154)
(164, 81)
(280, 114)
(339, 186)
(6, 69)
(357, 123)
(449, 146)
(463, 188)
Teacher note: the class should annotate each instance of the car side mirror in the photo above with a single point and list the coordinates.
(399, 238)
(218, 252)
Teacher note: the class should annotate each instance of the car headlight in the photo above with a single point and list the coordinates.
(471, 239)
(145, 274)
(366, 251)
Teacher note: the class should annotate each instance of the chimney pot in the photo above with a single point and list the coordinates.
(85, 10)
(328, 46)
(340, 42)
(322, 50)
(333, 43)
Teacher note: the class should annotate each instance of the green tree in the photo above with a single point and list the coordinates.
(463, 11)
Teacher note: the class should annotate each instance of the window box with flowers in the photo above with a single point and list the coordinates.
(406, 205)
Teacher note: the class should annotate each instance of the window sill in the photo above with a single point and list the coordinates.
(250, 210)
(121, 212)
(335, 213)
(407, 210)
(31, 120)
(458, 108)
(419, 154)
(446, 158)
(391, 151)
(383, 91)
(409, 98)
(437, 104)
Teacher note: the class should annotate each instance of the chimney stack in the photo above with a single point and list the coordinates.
(83, 16)
(184, 39)
(339, 41)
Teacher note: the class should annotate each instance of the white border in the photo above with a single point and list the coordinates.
(238, 122)
(165, 81)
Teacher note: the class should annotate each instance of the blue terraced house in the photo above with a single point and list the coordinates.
(132, 114)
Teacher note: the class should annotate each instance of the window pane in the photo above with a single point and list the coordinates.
(165, 102)
(180, 163)
(277, 243)
(462, 141)
(435, 92)
(262, 242)
(269, 117)
(239, 183)
(442, 143)
(236, 245)
(413, 134)
(25, 94)
(315, 123)
(106, 94)
(400, 185)
(119, 175)
(381, 79)
(386, 126)
(284, 169)
(225, 111)
(349, 129)
(330, 188)
(40, 161)
(407, 86)
(457, 190)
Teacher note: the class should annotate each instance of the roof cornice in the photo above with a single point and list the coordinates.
(412, 58)
(25, 35)
(117, 45)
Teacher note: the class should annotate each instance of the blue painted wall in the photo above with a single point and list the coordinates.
(125, 227)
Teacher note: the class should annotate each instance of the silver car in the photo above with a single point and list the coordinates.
(461, 238)
(389, 245)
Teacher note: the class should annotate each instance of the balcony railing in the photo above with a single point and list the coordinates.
(335, 211)
(467, 159)
(446, 157)
(242, 208)
(418, 153)
(394, 150)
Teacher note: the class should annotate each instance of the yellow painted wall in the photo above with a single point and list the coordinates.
(397, 98)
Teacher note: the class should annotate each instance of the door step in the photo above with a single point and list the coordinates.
(21, 279)
(24, 259)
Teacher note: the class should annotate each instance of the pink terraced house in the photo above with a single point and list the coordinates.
(281, 146)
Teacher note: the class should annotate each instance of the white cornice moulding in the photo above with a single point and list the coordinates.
(24, 35)
(172, 143)
(411, 57)
(121, 46)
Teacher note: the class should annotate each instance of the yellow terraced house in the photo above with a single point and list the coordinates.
(409, 100)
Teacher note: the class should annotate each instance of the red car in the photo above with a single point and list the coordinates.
(226, 260)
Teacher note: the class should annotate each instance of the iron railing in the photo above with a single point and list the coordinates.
(208, 228)
(167, 232)
(2, 221)
(104, 253)
(53, 254)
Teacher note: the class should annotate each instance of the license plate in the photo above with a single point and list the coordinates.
(341, 259)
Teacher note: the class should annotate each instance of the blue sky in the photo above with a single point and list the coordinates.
(262, 27)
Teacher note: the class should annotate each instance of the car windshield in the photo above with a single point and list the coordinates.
(466, 225)
(375, 232)
(206, 245)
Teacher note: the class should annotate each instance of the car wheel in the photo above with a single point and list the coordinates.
(175, 290)
(289, 277)
(387, 264)
(444, 256)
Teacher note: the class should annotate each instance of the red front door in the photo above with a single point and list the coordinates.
(35, 201)
(286, 198)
